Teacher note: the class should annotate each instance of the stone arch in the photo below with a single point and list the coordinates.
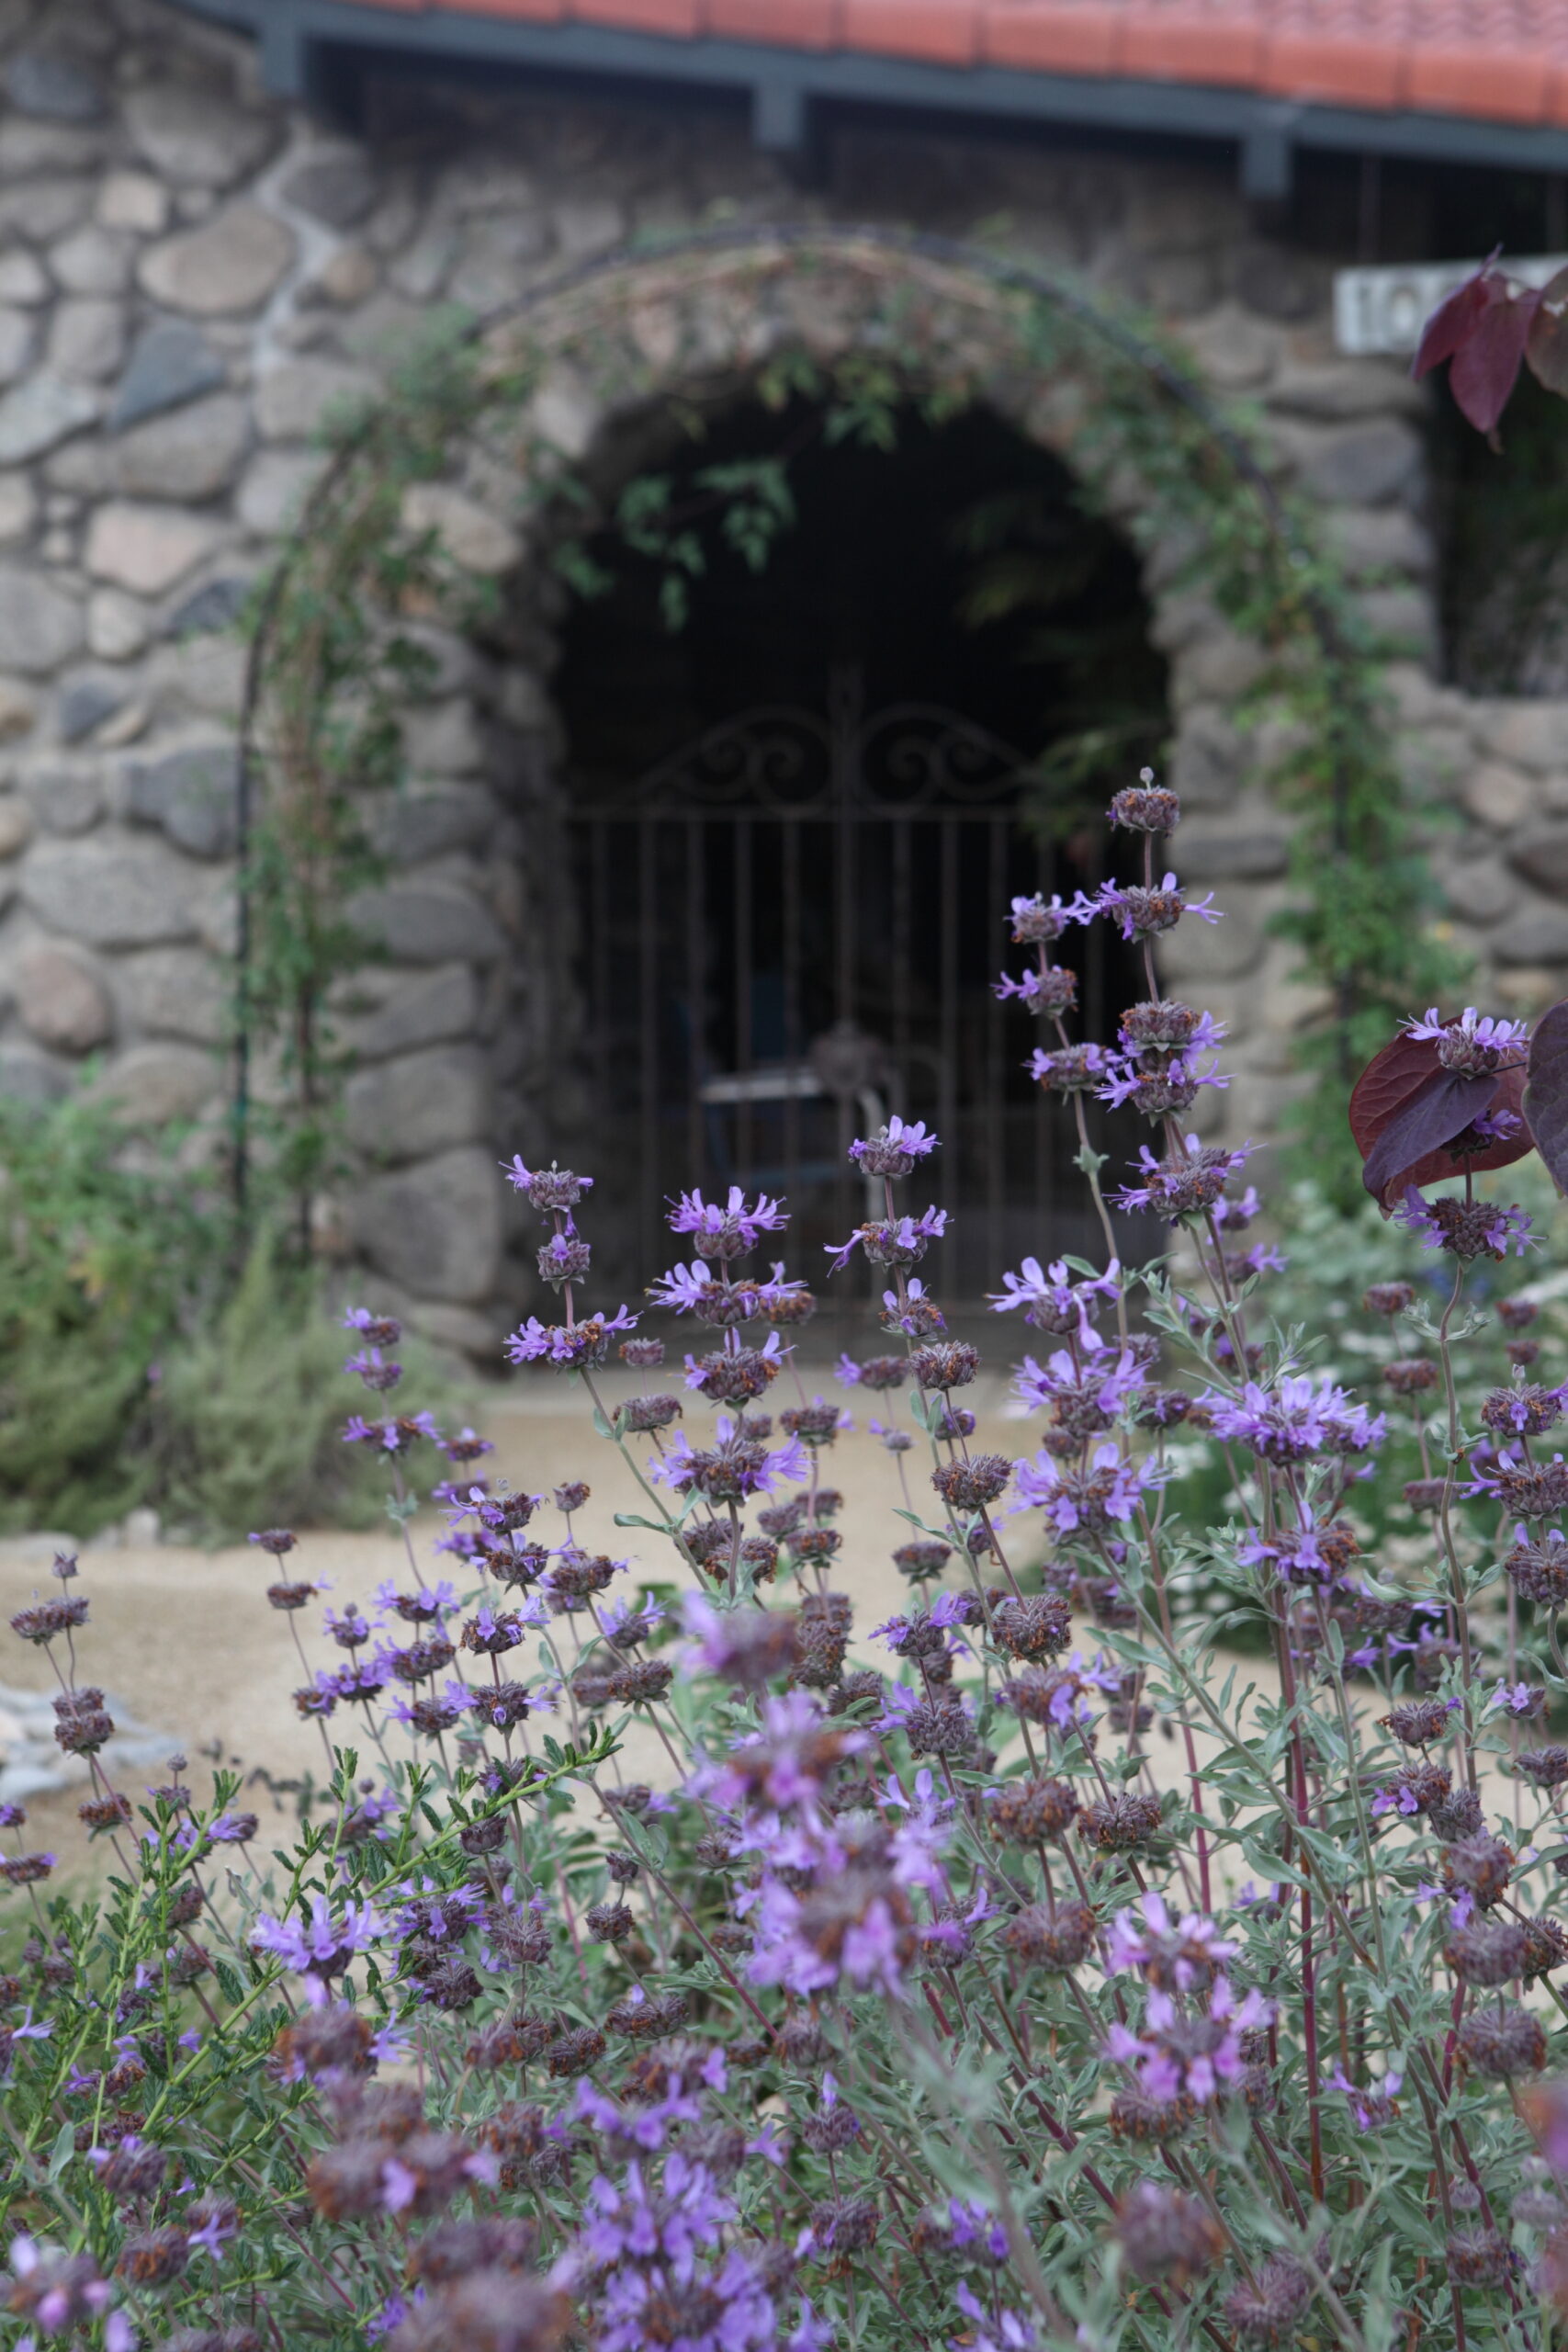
(567, 381)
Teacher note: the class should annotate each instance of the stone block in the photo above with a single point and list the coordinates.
(1233, 349)
(1232, 855)
(216, 606)
(29, 1076)
(350, 276)
(1279, 281)
(294, 400)
(193, 136)
(15, 825)
(337, 189)
(443, 739)
(62, 998)
(417, 1103)
(1197, 951)
(40, 626)
(38, 414)
(1218, 667)
(275, 486)
(1479, 890)
(18, 339)
(134, 201)
(472, 535)
(205, 674)
(175, 992)
(1541, 857)
(1432, 760)
(155, 1086)
(1531, 735)
(585, 225)
(65, 800)
(87, 340)
(1339, 388)
(85, 702)
(193, 794)
(118, 627)
(19, 507)
(1402, 619)
(113, 891)
(411, 828)
(192, 452)
(41, 209)
(228, 266)
(435, 1228)
(429, 1010)
(1370, 539)
(59, 87)
(147, 548)
(1209, 759)
(1354, 465)
(90, 260)
(1497, 797)
(1540, 937)
(171, 363)
(429, 923)
(566, 415)
(23, 279)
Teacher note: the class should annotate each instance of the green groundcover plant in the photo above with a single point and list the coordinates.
(903, 2005)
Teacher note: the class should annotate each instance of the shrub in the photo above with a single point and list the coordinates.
(138, 1367)
(905, 2009)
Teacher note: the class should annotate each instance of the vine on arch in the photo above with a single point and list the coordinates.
(863, 322)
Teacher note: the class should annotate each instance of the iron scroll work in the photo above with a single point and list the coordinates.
(790, 926)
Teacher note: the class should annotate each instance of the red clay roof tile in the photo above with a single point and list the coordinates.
(1497, 60)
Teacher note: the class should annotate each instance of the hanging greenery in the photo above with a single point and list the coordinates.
(862, 323)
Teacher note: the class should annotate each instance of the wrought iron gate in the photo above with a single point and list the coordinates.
(789, 928)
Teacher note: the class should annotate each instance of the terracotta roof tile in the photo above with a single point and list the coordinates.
(1505, 61)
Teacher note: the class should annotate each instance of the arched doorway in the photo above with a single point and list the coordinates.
(798, 818)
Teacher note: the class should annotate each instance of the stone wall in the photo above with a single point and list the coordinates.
(190, 276)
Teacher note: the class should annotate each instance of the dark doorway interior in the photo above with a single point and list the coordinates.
(799, 818)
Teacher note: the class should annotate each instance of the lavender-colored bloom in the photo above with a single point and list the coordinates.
(392, 1436)
(915, 1314)
(1108, 1382)
(992, 2329)
(894, 1151)
(730, 1231)
(550, 1189)
(1051, 1300)
(891, 1241)
(1520, 1700)
(1181, 2055)
(1478, 1044)
(1467, 1229)
(1033, 922)
(1051, 992)
(736, 1465)
(1183, 1954)
(1143, 912)
(1107, 1489)
(567, 1345)
(1170, 1085)
(1297, 1418)
(324, 1946)
(1371, 2105)
(1188, 1184)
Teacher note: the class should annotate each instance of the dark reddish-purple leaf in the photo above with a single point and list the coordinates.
(1545, 1096)
(1451, 323)
(1388, 1079)
(1547, 350)
(1485, 366)
(1440, 1165)
(1440, 1108)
